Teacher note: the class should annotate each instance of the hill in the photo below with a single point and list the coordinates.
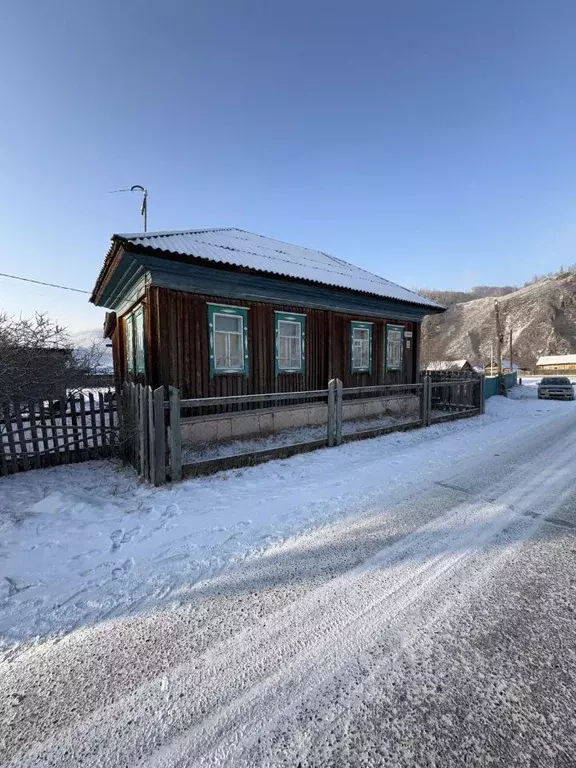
(542, 315)
(86, 341)
(448, 298)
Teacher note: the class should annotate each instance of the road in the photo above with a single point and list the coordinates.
(436, 630)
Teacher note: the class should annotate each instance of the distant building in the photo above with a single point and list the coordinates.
(491, 369)
(449, 365)
(556, 364)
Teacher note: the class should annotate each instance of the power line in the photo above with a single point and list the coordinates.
(39, 282)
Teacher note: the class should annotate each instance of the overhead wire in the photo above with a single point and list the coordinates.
(40, 282)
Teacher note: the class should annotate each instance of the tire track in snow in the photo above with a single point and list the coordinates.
(257, 712)
(212, 708)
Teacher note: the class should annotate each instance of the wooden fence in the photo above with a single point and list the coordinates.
(150, 429)
(44, 433)
(146, 429)
(152, 426)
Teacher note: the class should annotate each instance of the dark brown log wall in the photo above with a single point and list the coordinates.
(177, 348)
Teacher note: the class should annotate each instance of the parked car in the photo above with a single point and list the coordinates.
(556, 387)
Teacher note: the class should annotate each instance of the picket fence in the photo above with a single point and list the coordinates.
(45, 433)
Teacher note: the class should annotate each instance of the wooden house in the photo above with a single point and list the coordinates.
(221, 312)
(556, 364)
(452, 366)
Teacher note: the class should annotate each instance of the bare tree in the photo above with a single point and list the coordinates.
(37, 359)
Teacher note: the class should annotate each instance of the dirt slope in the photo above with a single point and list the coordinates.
(542, 315)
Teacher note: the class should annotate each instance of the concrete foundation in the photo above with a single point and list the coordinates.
(267, 421)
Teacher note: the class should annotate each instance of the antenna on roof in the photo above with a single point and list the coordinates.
(144, 206)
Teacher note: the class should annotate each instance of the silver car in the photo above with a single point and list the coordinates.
(559, 387)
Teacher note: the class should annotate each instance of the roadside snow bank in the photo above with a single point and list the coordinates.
(85, 542)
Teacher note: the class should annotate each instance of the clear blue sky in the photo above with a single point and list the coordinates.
(432, 142)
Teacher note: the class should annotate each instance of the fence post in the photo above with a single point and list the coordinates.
(429, 402)
(338, 412)
(424, 401)
(482, 394)
(159, 438)
(331, 412)
(143, 432)
(152, 438)
(175, 435)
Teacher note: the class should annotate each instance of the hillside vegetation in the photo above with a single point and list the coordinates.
(542, 316)
(449, 298)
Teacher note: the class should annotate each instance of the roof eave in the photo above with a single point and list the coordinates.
(228, 266)
(106, 271)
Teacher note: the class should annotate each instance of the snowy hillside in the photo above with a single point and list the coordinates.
(542, 316)
(83, 340)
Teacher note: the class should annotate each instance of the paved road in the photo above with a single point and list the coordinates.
(438, 630)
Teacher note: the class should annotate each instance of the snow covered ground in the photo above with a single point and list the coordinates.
(387, 602)
(284, 437)
(85, 542)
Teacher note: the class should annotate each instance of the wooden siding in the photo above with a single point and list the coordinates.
(557, 368)
(177, 348)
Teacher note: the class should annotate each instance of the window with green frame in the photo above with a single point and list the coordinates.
(360, 347)
(135, 355)
(228, 333)
(290, 333)
(394, 347)
(129, 331)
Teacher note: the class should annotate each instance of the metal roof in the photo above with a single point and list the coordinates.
(446, 365)
(245, 249)
(557, 360)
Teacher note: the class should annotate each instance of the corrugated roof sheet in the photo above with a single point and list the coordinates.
(557, 360)
(446, 365)
(245, 249)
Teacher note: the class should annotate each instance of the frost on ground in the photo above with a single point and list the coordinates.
(404, 619)
(83, 543)
(283, 438)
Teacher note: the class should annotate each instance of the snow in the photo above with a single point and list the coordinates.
(363, 632)
(86, 542)
(285, 437)
(84, 341)
(246, 249)
(557, 360)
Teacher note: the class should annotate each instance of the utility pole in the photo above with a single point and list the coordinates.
(491, 358)
(499, 342)
(499, 338)
(511, 355)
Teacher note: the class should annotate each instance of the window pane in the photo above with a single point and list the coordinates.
(139, 339)
(130, 344)
(394, 348)
(232, 323)
(360, 348)
(289, 345)
(360, 354)
(228, 350)
(220, 351)
(235, 351)
(288, 328)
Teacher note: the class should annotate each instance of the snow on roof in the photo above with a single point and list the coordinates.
(557, 360)
(245, 249)
(446, 365)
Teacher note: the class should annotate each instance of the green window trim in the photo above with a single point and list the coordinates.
(290, 342)
(135, 347)
(228, 340)
(398, 339)
(139, 355)
(129, 338)
(359, 333)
